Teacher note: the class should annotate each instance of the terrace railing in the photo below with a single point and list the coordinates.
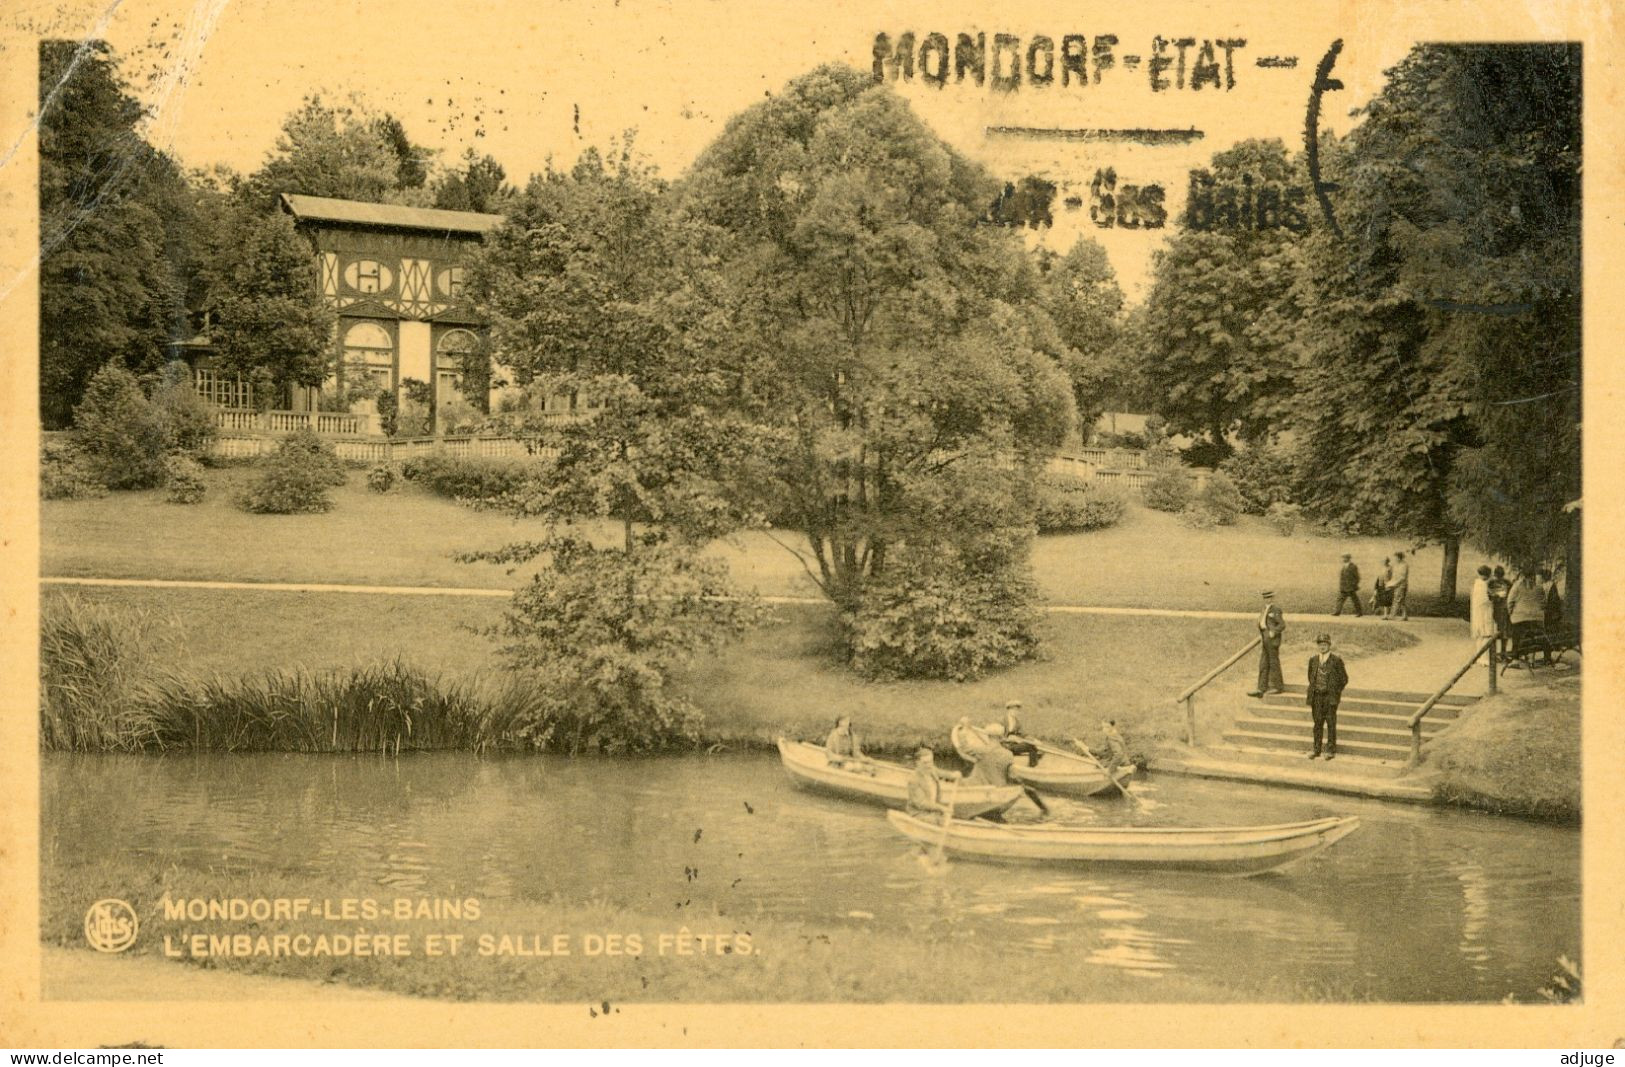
(1188, 697)
(323, 422)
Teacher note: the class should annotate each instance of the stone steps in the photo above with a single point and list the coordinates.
(1346, 719)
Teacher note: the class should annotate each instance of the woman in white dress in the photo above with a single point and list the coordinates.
(1482, 617)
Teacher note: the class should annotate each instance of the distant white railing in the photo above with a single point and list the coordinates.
(246, 445)
(323, 422)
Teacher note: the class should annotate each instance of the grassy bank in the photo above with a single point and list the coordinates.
(782, 679)
(846, 961)
(409, 537)
(1518, 753)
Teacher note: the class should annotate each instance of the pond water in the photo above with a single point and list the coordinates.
(1420, 904)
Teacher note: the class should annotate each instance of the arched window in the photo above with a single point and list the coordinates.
(369, 351)
(448, 361)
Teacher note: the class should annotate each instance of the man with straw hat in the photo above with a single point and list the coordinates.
(1271, 625)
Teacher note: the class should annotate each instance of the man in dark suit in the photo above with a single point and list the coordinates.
(1327, 680)
(1271, 625)
(1348, 586)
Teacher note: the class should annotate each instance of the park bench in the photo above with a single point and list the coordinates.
(1529, 643)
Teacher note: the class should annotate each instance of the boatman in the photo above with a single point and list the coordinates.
(842, 750)
(1327, 680)
(1271, 625)
(1014, 740)
(993, 763)
(925, 787)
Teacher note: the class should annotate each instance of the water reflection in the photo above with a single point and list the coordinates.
(1420, 904)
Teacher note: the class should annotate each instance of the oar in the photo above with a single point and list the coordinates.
(941, 856)
(1105, 769)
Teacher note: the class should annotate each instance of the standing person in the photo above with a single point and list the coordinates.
(1499, 588)
(1271, 625)
(1348, 586)
(1553, 616)
(1400, 583)
(1481, 612)
(1328, 677)
(1382, 597)
(1526, 611)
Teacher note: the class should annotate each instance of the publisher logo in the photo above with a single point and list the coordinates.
(110, 926)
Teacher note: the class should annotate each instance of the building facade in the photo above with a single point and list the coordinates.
(396, 276)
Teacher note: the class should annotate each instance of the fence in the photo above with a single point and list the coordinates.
(246, 445)
(342, 423)
(1126, 467)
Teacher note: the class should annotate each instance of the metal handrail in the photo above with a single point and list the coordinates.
(1427, 705)
(1188, 697)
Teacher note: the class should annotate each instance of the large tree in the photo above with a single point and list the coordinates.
(1213, 361)
(599, 291)
(897, 346)
(339, 151)
(1444, 320)
(110, 275)
(266, 317)
(1079, 290)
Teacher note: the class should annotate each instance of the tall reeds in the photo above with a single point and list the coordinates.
(105, 687)
(96, 674)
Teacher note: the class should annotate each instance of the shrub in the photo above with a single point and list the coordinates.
(1285, 517)
(96, 672)
(1205, 453)
(381, 479)
(1197, 517)
(295, 478)
(118, 432)
(65, 473)
(187, 421)
(1170, 490)
(931, 616)
(480, 481)
(1218, 499)
(1066, 504)
(1264, 475)
(183, 479)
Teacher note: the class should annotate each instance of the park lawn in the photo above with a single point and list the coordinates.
(783, 679)
(409, 537)
(1517, 753)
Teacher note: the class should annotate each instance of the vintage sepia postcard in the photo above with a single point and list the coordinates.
(727, 523)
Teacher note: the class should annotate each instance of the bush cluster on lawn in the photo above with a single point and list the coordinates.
(381, 479)
(928, 619)
(183, 479)
(1217, 503)
(1264, 475)
(295, 478)
(1284, 517)
(123, 440)
(65, 473)
(479, 481)
(1169, 491)
(118, 432)
(1070, 504)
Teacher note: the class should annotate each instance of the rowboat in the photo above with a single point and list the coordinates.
(1237, 850)
(1057, 772)
(809, 767)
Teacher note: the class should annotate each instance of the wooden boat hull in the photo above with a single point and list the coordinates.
(1242, 850)
(809, 767)
(1058, 772)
